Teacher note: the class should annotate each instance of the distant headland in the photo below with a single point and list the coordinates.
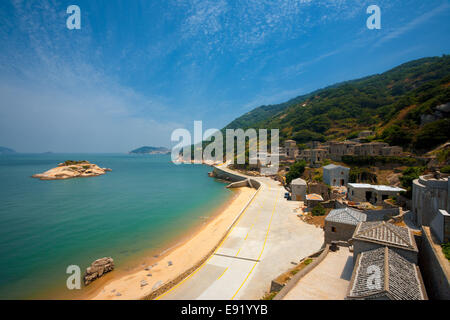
(4, 150)
(150, 150)
(72, 169)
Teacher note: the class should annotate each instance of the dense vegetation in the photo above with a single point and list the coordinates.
(392, 104)
(407, 177)
(295, 171)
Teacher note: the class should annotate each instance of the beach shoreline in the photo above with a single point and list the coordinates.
(173, 263)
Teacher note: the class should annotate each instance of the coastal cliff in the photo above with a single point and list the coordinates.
(72, 169)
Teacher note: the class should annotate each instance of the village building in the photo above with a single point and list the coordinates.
(291, 149)
(393, 151)
(319, 188)
(313, 199)
(337, 149)
(313, 157)
(335, 175)
(365, 133)
(400, 278)
(372, 235)
(375, 194)
(340, 224)
(298, 189)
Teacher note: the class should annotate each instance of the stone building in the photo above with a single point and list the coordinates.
(373, 235)
(365, 134)
(399, 279)
(291, 149)
(337, 149)
(313, 157)
(431, 204)
(340, 224)
(391, 151)
(369, 149)
(298, 189)
(335, 175)
(375, 194)
(313, 199)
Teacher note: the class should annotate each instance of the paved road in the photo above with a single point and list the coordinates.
(261, 245)
(329, 280)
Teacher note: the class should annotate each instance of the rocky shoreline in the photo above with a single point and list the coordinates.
(72, 169)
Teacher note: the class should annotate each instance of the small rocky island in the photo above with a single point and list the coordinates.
(72, 169)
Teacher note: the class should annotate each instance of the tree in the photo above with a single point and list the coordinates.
(295, 171)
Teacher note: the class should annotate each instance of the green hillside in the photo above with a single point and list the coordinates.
(391, 104)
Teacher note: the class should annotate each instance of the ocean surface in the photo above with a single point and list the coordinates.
(144, 203)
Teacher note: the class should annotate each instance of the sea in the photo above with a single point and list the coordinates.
(143, 205)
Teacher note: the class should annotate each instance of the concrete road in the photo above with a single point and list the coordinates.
(329, 280)
(263, 244)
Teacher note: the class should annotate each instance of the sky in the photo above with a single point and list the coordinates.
(137, 70)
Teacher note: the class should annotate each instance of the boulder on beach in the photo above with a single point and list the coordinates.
(98, 268)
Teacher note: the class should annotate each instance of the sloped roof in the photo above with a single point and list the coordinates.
(298, 181)
(385, 233)
(399, 279)
(346, 215)
(333, 166)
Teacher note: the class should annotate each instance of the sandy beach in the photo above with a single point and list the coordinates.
(176, 263)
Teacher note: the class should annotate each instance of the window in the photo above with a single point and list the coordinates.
(333, 229)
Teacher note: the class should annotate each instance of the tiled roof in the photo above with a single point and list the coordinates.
(399, 279)
(346, 215)
(385, 233)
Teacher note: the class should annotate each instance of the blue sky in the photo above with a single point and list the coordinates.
(139, 69)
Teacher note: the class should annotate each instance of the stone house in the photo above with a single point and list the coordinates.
(335, 175)
(375, 194)
(369, 149)
(291, 149)
(340, 224)
(298, 189)
(337, 149)
(431, 204)
(373, 235)
(313, 157)
(399, 278)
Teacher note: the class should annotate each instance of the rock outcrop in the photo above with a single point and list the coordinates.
(98, 268)
(72, 169)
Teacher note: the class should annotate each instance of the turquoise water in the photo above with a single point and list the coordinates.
(145, 202)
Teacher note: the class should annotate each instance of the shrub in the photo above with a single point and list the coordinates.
(446, 250)
(407, 177)
(318, 210)
(445, 169)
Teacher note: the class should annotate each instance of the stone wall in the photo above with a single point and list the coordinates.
(435, 268)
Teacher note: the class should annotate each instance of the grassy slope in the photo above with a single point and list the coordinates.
(390, 103)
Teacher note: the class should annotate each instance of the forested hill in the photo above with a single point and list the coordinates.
(405, 106)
